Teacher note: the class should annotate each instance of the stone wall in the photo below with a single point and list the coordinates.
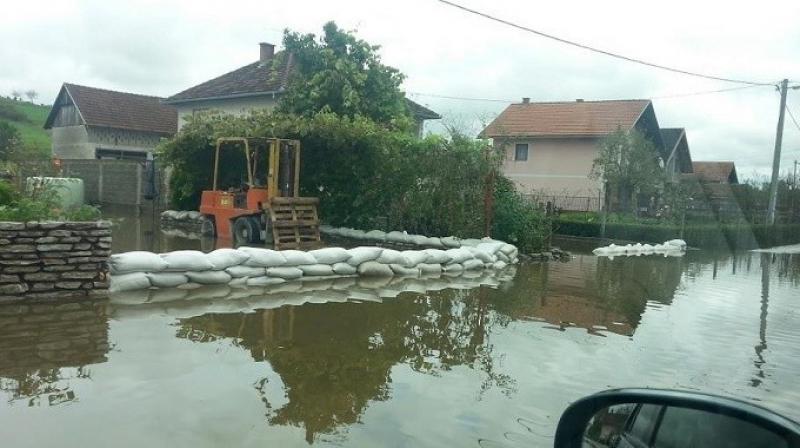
(53, 260)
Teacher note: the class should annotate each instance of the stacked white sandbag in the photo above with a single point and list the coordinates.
(252, 266)
(671, 248)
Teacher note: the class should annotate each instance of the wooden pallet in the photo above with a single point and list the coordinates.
(295, 223)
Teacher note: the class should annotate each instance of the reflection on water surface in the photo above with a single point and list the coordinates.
(484, 366)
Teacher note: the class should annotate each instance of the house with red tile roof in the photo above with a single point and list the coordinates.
(549, 147)
(255, 86)
(91, 123)
(723, 172)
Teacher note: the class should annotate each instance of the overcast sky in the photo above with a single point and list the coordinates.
(161, 47)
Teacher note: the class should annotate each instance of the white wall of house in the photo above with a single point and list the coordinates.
(81, 142)
(71, 142)
(233, 106)
(554, 166)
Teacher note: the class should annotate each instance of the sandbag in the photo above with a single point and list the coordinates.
(325, 228)
(129, 282)
(438, 256)
(167, 279)
(357, 234)
(391, 256)
(450, 241)
(374, 269)
(265, 258)
(473, 264)
(418, 240)
(399, 269)
(676, 243)
(225, 258)
(435, 242)
(264, 281)
(471, 242)
(502, 256)
(459, 255)
(508, 249)
(194, 215)
(429, 268)
(187, 260)
(375, 235)
(500, 265)
(330, 255)
(297, 257)
(484, 256)
(453, 268)
(490, 246)
(285, 272)
(414, 257)
(209, 277)
(246, 271)
(363, 254)
(316, 269)
(136, 261)
(344, 269)
(397, 237)
(240, 282)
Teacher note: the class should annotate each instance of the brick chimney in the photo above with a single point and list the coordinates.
(267, 51)
(526, 100)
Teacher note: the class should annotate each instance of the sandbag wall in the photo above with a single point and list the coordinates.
(399, 238)
(182, 302)
(250, 266)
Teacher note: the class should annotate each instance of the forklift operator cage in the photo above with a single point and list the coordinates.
(282, 164)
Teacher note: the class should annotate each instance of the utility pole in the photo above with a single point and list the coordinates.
(776, 158)
(794, 191)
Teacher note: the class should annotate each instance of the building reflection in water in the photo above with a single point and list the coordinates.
(44, 348)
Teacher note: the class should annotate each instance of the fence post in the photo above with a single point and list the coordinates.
(100, 181)
(139, 188)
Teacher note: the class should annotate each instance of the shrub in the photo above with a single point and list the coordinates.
(366, 175)
(7, 193)
(41, 204)
(518, 220)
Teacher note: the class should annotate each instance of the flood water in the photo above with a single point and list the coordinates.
(485, 366)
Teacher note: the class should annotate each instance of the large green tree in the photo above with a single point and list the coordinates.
(629, 164)
(340, 73)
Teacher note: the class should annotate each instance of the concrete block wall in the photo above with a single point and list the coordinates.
(106, 182)
(53, 260)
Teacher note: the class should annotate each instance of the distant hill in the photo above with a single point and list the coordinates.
(29, 118)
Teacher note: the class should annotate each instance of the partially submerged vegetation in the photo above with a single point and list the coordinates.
(40, 204)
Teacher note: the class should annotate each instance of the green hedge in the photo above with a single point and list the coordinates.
(731, 236)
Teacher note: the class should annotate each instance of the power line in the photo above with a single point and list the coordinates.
(462, 98)
(794, 120)
(659, 97)
(597, 50)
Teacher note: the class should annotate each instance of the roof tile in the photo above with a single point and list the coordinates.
(564, 119)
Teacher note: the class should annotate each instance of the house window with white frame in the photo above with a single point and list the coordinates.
(521, 152)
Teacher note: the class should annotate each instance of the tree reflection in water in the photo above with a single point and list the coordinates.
(335, 358)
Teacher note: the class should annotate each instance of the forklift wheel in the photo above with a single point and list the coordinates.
(246, 231)
(207, 228)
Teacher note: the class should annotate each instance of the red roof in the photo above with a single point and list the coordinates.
(120, 110)
(719, 172)
(566, 119)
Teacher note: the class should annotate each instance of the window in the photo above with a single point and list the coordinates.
(521, 152)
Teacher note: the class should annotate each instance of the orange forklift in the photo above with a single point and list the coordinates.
(264, 204)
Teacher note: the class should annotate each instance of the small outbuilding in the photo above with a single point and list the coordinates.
(91, 123)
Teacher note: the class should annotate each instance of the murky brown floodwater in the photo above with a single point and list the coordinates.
(477, 367)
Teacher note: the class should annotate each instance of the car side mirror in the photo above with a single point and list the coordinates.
(638, 418)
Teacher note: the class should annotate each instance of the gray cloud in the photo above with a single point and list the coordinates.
(162, 47)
